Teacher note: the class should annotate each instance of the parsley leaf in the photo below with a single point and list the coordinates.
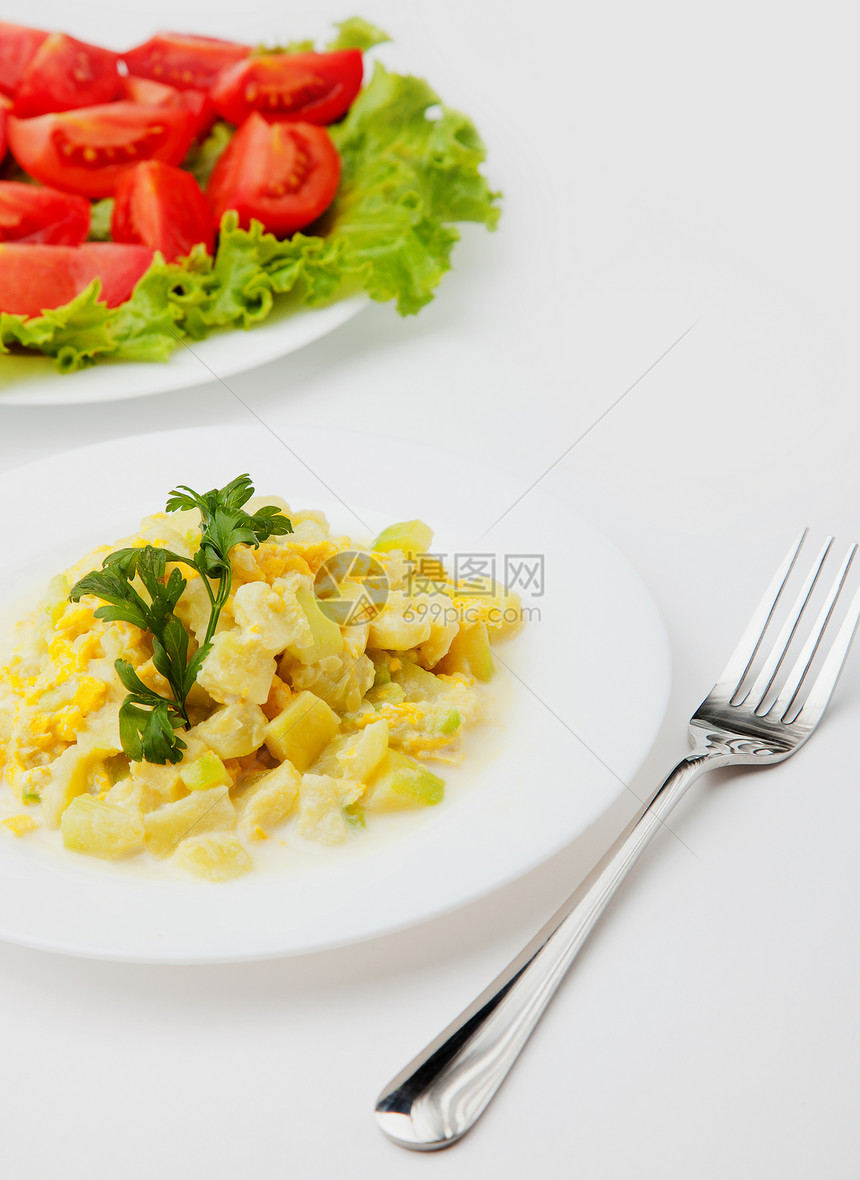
(137, 589)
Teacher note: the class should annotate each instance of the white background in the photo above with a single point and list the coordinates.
(663, 165)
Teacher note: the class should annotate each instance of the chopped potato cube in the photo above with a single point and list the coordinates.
(341, 681)
(196, 814)
(355, 756)
(444, 625)
(235, 669)
(321, 807)
(156, 785)
(364, 753)
(269, 800)
(194, 607)
(266, 617)
(500, 608)
(233, 731)
(100, 829)
(218, 857)
(398, 626)
(125, 794)
(302, 731)
(70, 775)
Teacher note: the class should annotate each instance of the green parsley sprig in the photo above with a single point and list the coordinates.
(148, 721)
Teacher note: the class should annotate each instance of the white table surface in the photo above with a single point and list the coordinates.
(664, 165)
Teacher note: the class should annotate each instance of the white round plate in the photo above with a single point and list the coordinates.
(581, 689)
(32, 380)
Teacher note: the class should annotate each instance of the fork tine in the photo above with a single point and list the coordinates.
(802, 664)
(742, 657)
(825, 682)
(759, 690)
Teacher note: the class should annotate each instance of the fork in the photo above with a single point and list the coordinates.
(761, 710)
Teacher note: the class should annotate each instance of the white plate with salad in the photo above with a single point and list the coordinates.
(192, 187)
(541, 767)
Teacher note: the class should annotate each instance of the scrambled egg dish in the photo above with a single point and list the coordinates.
(301, 713)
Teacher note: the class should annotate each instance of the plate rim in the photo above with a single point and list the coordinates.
(280, 336)
(595, 808)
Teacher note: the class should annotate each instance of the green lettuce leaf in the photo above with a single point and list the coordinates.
(305, 46)
(204, 155)
(356, 33)
(410, 171)
(353, 33)
(100, 215)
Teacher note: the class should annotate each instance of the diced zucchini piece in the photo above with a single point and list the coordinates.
(117, 768)
(403, 782)
(204, 772)
(469, 653)
(381, 674)
(195, 815)
(302, 731)
(386, 694)
(353, 813)
(218, 857)
(327, 638)
(409, 536)
(98, 829)
(417, 683)
(452, 722)
(56, 597)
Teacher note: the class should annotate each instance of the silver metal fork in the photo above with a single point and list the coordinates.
(764, 706)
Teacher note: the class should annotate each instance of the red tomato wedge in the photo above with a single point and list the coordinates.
(183, 60)
(162, 207)
(305, 87)
(283, 174)
(17, 46)
(64, 74)
(86, 151)
(202, 111)
(33, 213)
(36, 278)
(157, 94)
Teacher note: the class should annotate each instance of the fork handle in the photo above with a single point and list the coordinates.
(444, 1090)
